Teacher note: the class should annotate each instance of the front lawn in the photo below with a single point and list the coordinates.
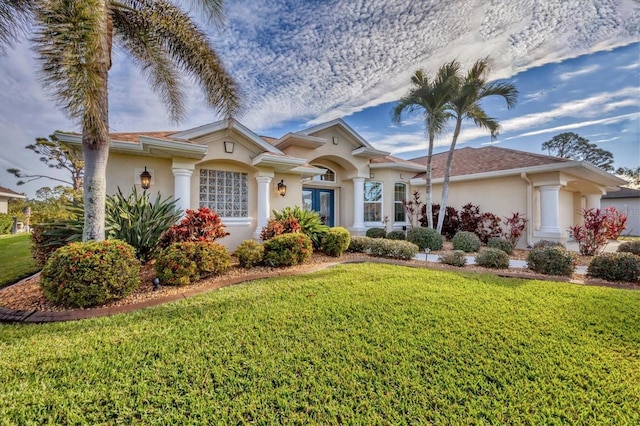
(356, 344)
(15, 258)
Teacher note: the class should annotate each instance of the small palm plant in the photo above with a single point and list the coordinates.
(309, 221)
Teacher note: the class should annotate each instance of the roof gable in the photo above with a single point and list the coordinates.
(10, 193)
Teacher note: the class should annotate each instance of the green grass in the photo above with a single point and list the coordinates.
(357, 344)
(15, 258)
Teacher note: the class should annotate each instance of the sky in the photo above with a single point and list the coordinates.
(575, 63)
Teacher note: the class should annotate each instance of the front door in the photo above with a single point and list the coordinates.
(321, 201)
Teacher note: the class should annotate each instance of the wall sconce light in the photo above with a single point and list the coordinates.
(228, 147)
(145, 179)
(335, 140)
(282, 188)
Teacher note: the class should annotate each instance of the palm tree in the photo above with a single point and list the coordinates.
(428, 98)
(74, 39)
(467, 92)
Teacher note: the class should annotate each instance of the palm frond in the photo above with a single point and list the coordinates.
(507, 90)
(134, 35)
(188, 47)
(15, 16)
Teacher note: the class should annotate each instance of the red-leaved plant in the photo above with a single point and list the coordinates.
(514, 227)
(198, 225)
(275, 227)
(412, 207)
(599, 227)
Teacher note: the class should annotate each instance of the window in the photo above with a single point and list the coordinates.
(399, 198)
(225, 192)
(328, 176)
(373, 201)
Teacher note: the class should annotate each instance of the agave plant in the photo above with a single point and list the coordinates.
(309, 221)
(138, 221)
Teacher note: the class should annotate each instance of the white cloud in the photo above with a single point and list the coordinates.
(578, 125)
(573, 74)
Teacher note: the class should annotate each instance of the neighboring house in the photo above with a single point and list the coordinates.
(331, 169)
(627, 200)
(7, 194)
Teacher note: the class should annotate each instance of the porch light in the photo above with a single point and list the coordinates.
(282, 188)
(228, 147)
(145, 179)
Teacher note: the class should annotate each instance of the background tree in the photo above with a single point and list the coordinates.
(573, 146)
(632, 175)
(466, 94)
(428, 99)
(55, 156)
(73, 41)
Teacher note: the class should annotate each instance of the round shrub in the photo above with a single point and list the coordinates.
(376, 233)
(396, 235)
(501, 244)
(336, 241)
(425, 238)
(87, 274)
(394, 249)
(466, 241)
(630, 247)
(615, 267)
(453, 258)
(183, 263)
(358, 244)
(287, 249)
(492, 258)
(547, 243)
(249, 253)
(552, 260)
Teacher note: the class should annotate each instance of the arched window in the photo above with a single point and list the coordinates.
(399, 198)
(328, 176)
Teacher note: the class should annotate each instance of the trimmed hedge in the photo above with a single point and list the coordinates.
(492, 258)
(501, 244)
(336, 241)
(249, 253)
(466, 241)
(615, 267)
(630, 247)
(288, 250)
(396, 235)
(425, 238)
(453, 258)
(552, 260)
(382, 247)
(185, 262)
(376, 233)
(80, 275)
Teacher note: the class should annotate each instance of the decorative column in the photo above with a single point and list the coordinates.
(550, 209)
(182, 187)
(593, 201)
(358, 205)
(263, 204)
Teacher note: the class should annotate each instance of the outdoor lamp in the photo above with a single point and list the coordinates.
(282, 188)
(145, 179)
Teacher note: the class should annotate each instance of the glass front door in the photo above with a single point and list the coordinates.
(321, 201)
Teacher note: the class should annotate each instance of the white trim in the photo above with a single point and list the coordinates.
(297, 139)
(368, 152)
(236, 221)
(271, 160)
(397, 166)
(340, 123)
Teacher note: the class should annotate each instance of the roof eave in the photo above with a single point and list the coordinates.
(368, 152)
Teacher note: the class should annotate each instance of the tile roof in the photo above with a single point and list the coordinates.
(9, 191)
(135, 136)
(269, 139)
(623, 193)
(469, 161)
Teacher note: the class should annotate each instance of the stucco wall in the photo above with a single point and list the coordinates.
(124, 171)
(567, 209)
(630, 207)
(4, 205)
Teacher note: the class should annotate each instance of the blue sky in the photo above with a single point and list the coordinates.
(576, 64)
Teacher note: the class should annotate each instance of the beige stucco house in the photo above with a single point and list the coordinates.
(331, 169)
(627, 200)
(7, 194)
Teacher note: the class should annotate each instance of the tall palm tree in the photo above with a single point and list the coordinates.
(74, 39)
(467, 92)
(428, 98)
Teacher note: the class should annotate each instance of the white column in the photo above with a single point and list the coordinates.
(593, 201)
(182, 187)
(264, 208)
(358, 205)
(550, 208)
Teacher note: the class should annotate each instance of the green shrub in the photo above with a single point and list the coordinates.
(492, 258)
(376, 233)
(48, 237)
(425, 238)
(615, 267)
(547, 243)
(501, 244)
(630, 247)
(336, 241)
(394, 249)
(185, 262)
(249, 253)
(396, 235)
(466, 241)
(358, 244)
(288, 250)
(453, 258)
(139, 222)
(552, 260)
(81, 275)
(6, 223)
(310, 222)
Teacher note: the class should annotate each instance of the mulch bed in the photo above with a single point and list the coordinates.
(27, 295)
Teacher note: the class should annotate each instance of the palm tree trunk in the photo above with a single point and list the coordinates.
(429, 190)
(447, 175)
(95, 136)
